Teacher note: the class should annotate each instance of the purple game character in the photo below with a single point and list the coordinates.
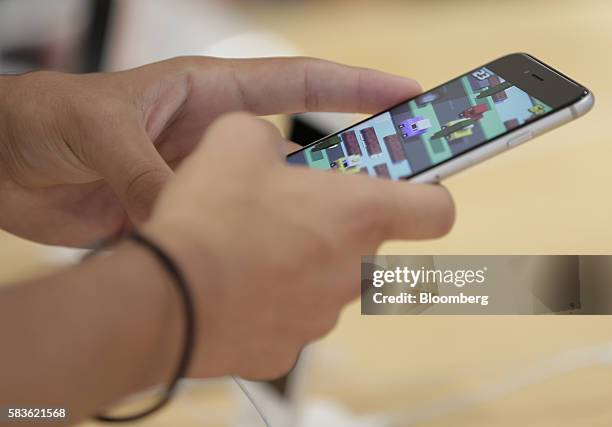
(414, 127)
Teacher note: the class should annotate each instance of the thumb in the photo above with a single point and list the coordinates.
(402, 210)
(250, 141)
(135, 171)
(415, 211)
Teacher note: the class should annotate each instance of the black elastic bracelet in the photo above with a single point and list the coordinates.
(190, 327)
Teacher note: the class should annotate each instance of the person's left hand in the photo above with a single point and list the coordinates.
(83, 157)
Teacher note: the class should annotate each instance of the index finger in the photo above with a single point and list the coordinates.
(293, 85)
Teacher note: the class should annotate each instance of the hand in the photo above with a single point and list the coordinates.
(273, 251)
(84, 157)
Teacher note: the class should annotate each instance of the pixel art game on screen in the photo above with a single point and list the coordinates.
(428, 130)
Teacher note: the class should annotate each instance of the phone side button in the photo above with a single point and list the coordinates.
(518, 139)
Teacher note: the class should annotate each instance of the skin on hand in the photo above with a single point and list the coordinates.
(273, 251)
(84, 157)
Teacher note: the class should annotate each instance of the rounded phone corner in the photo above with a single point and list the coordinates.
(584, 105)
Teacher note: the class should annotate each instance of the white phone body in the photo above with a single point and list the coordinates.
(506, 142)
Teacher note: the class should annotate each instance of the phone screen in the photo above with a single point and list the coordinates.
(433, 128)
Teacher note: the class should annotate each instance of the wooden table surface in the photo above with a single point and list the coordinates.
(552, 195)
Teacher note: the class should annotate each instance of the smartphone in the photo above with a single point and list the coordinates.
(460, 123)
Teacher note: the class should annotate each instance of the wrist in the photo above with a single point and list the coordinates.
(112, 326)
(195, 257)
(165, 312)
(146, 318)
(203, 272)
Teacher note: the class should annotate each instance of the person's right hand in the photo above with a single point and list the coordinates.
(273, 251)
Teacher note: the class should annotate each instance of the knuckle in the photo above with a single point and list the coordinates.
(144, 181)
(310, 61)
(312, 98)
(179, 64)
(185, 62)
(192, 62)
(239, 121)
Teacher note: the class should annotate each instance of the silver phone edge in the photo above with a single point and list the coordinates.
(507, 142)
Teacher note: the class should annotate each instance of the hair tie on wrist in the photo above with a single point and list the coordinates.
(181, 284)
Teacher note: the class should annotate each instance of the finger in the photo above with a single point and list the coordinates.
(136, 172)
(414, 211)
(401, 210)
(293, 85)
(291, 147)
(244, 140)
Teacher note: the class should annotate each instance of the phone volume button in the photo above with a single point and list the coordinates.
(519, 139)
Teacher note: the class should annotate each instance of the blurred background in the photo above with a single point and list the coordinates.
(551, 196)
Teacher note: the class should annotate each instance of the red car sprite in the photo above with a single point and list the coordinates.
(476, 112)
